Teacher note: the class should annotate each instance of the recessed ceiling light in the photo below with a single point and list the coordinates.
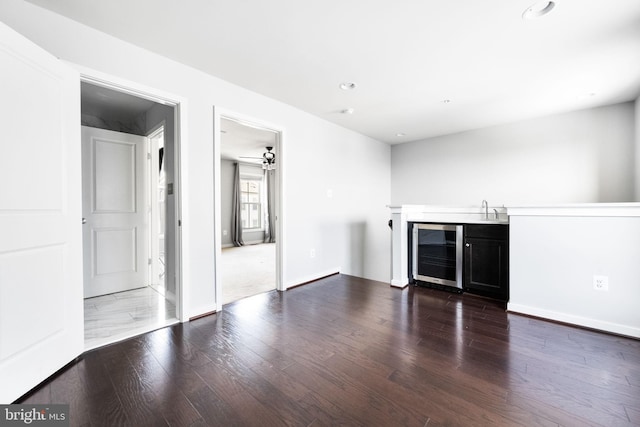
(347, 86)
(446, 101)
(347, 111)
(538, 9)
(401, 134)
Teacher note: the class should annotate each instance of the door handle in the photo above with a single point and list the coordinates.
(84, 220)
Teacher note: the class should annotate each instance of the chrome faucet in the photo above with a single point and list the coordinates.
(495, 211)
(485, 205)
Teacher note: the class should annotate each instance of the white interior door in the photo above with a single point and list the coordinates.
(41, 318)
(115, 208)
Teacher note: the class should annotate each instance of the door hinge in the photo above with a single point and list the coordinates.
(148, 156)
(149, 261)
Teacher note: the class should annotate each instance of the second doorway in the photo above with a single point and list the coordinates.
(249, 158)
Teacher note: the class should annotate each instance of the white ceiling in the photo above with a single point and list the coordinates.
(406, 56)
(239, 140)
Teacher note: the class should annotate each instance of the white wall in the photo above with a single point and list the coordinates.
(348, 231)
(339, 205)
(637, 149)
(581, 156)
(553, 261)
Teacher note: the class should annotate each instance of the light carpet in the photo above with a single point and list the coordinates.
(247, 270)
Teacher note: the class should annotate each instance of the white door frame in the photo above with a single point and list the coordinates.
(180, 114)
(279, 211)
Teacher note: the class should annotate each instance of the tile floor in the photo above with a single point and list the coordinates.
(246, 271)
(113, 317)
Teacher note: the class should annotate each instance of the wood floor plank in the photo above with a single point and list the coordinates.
(274, 404)
(369, 407)
(214, 411)
(70, 389)
(378, 384)
(354, 352)
(327, 413)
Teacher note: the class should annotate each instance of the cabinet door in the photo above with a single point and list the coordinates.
(486, 267)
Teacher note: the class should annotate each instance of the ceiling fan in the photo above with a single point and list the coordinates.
(268, 159)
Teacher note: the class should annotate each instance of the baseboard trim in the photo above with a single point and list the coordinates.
(315, 279)
(400, 283)
(248, 243)
(202, 315)
(572, 319)
(202, 311)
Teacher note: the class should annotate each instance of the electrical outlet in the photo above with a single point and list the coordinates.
(601, 283)
(312, 253)
(224, 232)
(329, 194)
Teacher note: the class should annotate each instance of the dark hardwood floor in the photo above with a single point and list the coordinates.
(353, 352)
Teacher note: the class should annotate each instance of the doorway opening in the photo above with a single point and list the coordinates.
(130, 227)
(157, 215)
(250, 179)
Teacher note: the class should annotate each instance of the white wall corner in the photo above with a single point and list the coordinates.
(637, 150)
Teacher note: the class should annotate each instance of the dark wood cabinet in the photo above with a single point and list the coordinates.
(486, 260)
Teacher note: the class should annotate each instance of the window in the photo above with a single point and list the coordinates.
(250, 203)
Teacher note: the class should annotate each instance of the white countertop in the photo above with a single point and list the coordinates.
(476, 214)
(452, 214)
(577, 209)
